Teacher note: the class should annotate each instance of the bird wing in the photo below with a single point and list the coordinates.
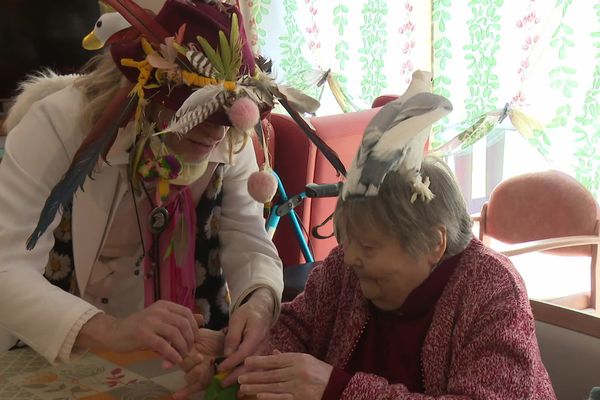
(388, 116)
(400, 127)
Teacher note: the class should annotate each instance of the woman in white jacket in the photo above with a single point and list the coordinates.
(125, 240)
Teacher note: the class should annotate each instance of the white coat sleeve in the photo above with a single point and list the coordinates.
(248, 256)
(39, 313)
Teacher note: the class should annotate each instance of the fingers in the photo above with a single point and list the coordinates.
(233, 338)
(201, 373)
(199, 318)
(248, 347)
(274, 396)
(255, 389)
(161, 346)
(268, 376)
(173, 335)
(194, 358)
(210, 342)
(270, 362)
(234, 375)
(187, 322)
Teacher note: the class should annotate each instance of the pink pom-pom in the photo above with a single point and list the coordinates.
(262, 186)
(243, 114)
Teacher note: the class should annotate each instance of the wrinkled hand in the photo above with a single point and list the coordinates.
(248, 330)
(285, 376)
(167, 328)
(198, 366)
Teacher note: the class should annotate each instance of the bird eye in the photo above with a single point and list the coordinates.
(98, 24)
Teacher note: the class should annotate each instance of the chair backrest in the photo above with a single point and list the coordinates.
(549, 211)
(540, 205)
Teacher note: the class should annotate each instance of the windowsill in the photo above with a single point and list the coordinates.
(582, 321)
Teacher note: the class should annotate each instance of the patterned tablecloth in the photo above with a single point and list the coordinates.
(102, 376)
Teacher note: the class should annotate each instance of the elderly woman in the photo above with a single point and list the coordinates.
(409, 306)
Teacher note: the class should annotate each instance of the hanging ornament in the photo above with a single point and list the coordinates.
(243, 114)
(158, 220)
(262, 184)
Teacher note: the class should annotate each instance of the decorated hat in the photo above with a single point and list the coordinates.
(213, 52)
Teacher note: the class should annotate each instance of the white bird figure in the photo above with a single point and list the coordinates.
(107, 25)
(394, 140)
(419, 83)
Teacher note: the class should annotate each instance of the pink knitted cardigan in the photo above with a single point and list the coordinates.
(481, 343)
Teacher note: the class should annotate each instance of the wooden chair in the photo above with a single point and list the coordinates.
(547, 212)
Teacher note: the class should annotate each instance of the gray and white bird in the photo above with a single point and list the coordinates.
(394, 140)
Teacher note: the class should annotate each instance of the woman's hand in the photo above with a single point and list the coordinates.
(248, 328)
(167, 328)
(285, 376)
(198, 365)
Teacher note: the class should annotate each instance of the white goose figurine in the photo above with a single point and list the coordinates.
(107, 25)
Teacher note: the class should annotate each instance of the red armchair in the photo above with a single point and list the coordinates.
(298, 162)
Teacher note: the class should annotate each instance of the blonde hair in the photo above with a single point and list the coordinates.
(99, 82)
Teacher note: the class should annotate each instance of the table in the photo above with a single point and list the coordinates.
(97, 376)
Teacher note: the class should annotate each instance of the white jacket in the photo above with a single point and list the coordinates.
(38, 152)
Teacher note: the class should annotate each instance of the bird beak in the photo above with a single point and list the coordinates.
(91, 42)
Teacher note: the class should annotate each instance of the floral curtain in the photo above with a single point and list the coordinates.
(369, 47)
(540, 57)
(536, 61)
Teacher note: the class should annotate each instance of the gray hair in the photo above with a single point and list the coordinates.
(411, 223)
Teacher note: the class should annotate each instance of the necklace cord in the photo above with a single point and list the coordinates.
(154, 254)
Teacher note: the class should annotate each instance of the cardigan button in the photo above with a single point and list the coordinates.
(136, 272)
(104, 300)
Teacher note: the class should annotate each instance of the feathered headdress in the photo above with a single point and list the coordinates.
(192, 57)
(394, 141)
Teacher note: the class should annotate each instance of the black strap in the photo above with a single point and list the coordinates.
(315, 229)
(327, 151)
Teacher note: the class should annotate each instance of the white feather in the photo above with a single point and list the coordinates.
(198, 98)
(35, 88)
(301, 102)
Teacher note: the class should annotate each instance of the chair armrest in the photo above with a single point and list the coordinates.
(586, 322)
(476, 217)
(548, 244)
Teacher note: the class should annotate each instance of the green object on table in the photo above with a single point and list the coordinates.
(214, 391)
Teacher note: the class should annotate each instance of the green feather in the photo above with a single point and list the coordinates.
(180, 49)
(236, 46)
(477, 131)
(211, 54)
(225, 51)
